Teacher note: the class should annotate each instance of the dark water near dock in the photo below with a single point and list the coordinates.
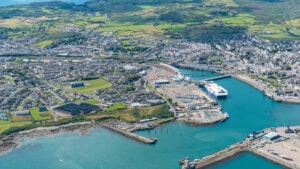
(248, 108)
(16, 2)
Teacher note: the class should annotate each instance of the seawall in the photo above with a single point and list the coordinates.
(272, 159)
(260, 88)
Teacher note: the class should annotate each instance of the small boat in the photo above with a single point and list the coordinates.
(286, 158)
(154, 140)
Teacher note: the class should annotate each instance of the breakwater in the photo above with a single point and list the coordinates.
(220, 156)
(281, 150)
(230, 153)
(130, 135)
(272, 159)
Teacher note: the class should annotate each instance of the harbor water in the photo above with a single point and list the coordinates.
(248, 108)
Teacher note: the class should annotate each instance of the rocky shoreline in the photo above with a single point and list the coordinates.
(10, 142)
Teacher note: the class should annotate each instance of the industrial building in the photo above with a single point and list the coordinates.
(271, 136)
(80, 84)
(158, 83)
(20, 113)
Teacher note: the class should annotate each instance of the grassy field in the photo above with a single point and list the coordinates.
(131, 28)
(135, 114)
(93, 85)
(189, 19)
(226, 3)
(44, 43)
(92, 101)
(39, 116)
(13, 23)
(116, 106)
(4, 125)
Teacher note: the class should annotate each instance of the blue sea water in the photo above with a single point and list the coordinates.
(16, 2)
(248, 108)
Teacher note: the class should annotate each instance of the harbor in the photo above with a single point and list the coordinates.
(280, 145)
(189, 103)
(106, 149)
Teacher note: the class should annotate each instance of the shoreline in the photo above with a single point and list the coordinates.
(10, 142)
(251, 82)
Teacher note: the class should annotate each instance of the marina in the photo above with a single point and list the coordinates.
(176, 140)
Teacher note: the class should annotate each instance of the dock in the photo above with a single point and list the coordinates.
(131, 135)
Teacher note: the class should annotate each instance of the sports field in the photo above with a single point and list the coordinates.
(93, 85)
(39, 116)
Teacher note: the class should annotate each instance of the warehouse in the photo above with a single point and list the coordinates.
(271, 136)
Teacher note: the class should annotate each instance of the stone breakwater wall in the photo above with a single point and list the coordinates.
(131, 135)
(220, 156)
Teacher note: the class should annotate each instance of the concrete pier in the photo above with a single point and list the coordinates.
(131, 135)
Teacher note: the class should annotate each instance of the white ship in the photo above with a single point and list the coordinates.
(215, 90)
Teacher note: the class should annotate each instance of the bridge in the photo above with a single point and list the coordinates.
(202, 82)
(217, 77)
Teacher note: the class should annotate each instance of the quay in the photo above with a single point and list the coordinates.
(131, 135)
(202, 67)
(279, 145)
(188, 102)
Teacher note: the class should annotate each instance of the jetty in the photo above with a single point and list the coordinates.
(223, 155)
(131, 135)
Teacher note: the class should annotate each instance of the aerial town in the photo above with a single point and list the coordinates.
(269, 66)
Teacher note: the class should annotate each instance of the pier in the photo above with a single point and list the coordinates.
(131, 135)
(223, 155)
